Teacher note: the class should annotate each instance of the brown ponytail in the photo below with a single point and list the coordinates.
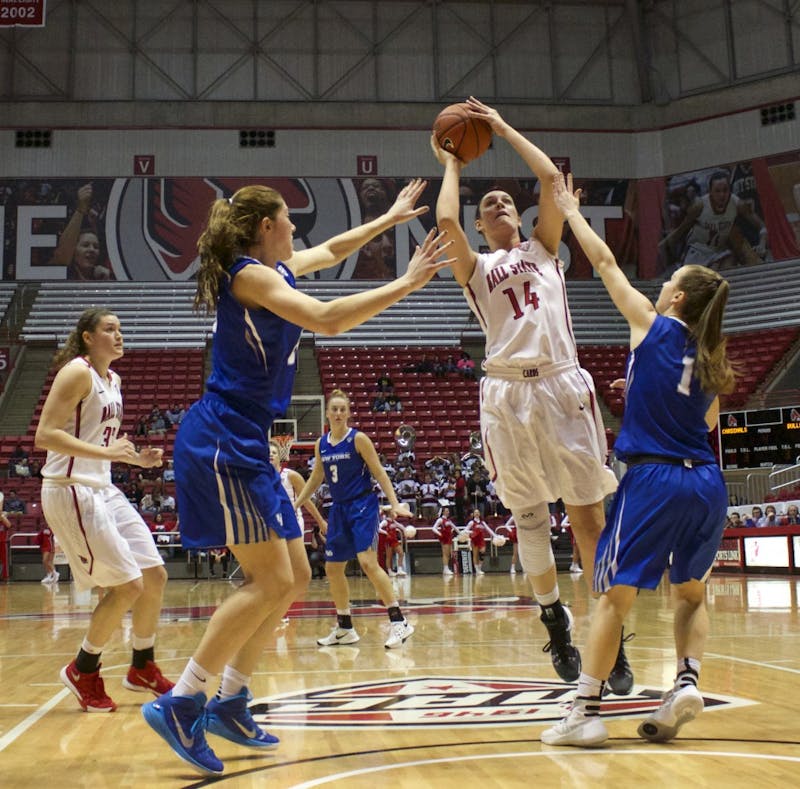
(75, 345)
(703, 309)
(231, 228)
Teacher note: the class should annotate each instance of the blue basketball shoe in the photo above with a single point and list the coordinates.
(232, 720)
(181, 721)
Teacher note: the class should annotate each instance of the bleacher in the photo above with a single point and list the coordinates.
(7, 290)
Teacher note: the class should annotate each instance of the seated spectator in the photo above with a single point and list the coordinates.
(379, 404)
(14, 505)
(751, 520)
(140, 429)
(734, 521)
(149, 505)
(450, 364)
(174, 414)
(393, 403)
(18, 455)
(218, 556)
(167, 503)
(169, 472)
(384, 384)
(22, 468)
(465, 365)
(792, 518)
(120, 474)
(425, 364)
(36, 467)
(158, 425)
(770, 517)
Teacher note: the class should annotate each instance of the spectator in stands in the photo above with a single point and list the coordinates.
(219, 556)
(393, 403)
(90, 516)
(406, 488)
(387, 466)
(167, 503)
(450, 364)
(756, 514)
(149, 505)
(45, 541)
(460, 498)
(379, 404)
(445, 530)
(770, 517)
(120, 475)
(477, 488)
(426, 364)
(735, 521)
(246, 276)
(23, 468)
(169, 472)
(384, 384)
(792, 517)
(14, 504)
(141, 428)
(19, 455)
(174, 414)
(429, 497)
(465, 365)
(157, 424)
(35, 466)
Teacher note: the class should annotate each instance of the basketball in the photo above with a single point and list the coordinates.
(459, 134)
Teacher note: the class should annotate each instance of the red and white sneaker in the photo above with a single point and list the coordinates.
(147, 679)
(88, 688)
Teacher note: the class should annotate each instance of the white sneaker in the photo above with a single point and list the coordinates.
(401, 571)
(46, 580)
(575, 568)
(339, 635)
(513, 571)
(447, 571)
(56, 576)
(398, 633)
(391, 573)
(678, 706)
(577, 728)
(478, 571)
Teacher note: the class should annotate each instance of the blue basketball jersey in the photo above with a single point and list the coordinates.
(664, 405)
(346, 472)
(254, 356)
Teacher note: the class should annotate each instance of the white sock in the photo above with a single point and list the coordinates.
(139, 643)
(195, 679)
(87, 646)
(688, 671)
(232, 683)
(547, 599)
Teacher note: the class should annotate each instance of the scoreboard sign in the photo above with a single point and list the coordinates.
(763, 438)
(22, 13)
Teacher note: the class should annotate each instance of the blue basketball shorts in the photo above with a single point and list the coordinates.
(352, 528)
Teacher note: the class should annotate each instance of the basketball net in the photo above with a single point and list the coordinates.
(284, 444)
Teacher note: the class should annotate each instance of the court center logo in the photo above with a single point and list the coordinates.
(439, 702)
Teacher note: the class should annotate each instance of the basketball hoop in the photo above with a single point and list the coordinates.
(284, 444)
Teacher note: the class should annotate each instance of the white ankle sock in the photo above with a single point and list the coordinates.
(195, 679)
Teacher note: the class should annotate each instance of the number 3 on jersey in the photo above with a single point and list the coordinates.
(529, 298)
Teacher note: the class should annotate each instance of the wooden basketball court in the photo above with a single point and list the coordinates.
(461, 703)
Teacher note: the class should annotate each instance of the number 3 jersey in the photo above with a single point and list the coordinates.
(96, 420)
(520, 299)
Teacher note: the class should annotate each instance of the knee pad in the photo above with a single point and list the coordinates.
(533, 538)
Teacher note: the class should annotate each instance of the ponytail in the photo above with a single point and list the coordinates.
(75, 345)
(231, 228)
(703, 309)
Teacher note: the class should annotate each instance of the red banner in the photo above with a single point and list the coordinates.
(22, 13)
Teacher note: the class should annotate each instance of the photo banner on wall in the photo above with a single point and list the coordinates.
(741, 214)
(146, 229)
(729, 216)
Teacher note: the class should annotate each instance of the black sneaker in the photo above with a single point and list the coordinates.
(563, 653)
(620, 680)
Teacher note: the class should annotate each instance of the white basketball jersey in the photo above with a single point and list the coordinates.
(287, 486)
(712, 229)
(520, 299)
(96, 420)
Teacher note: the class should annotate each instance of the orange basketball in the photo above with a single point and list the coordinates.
(465, 137)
